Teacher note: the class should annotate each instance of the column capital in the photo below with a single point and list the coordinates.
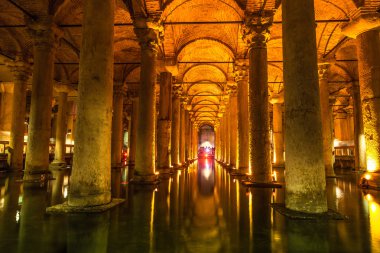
(168, 65)
(362, 20)
(62, 87)
(323, 70)
(255, 30)
(232, 89)
(276, 98)
(119, 90)
(177, 90)
(45, 33)
(20, 69)
(149, 34)
(132, 93)
(240, 72)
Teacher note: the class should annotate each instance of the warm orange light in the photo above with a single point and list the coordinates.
(274, 176)
(369, 197)
(367, 176)
(371, 165)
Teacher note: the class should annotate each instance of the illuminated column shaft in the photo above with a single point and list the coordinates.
(221, 140)
(90, 181)
(70, 121)
(260, 150)
(164, 123)
(368, 51)
(305, 173)
(117, 126)
(327, 122)
(228, 134)
(195, 141)
(224, 138)
(175, 130)
(61, 130)
(187, 136)
(146, 132)
(21, 72)
(233, 125)
(278, 134)
(182, 139)
(243, 126)
(6, 110)
(359, 137)
(37, 153)
(134, 127)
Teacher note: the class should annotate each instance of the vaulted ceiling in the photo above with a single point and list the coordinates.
(203, 36)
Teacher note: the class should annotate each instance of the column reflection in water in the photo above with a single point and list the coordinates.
(32, 224)
(59, 186)
(116, 180)
(139, 230)
(204, 229)
(88, 233)
(10, 196)
(344, 196)
(373, 201)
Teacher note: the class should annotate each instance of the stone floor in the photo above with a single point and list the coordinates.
(201, 209)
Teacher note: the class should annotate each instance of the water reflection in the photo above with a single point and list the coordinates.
(200, 209)
(204, 230)
(90, 236)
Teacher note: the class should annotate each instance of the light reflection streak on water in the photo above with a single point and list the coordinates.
(250, 219)
(168, 200)
(151, 242)
(237, 202)
(374, 218)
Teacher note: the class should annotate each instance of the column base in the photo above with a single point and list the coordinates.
(278, 165)
(250, 183)
(178, 167)
(117, 165)
(65, 208)
(58, 165)
(145, 179)
(329, 215)
(165, 170)
(36, 176)
(238, 173)
(370, 180)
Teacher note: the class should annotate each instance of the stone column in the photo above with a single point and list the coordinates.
(216, 144)
(223, 138)
(70, 121)
(61, 128)
(278, 134)
(243, 127)
(305, 173)
(21, 72)
(45, 39)
(368, 51)
(359, 137)
(175, 128)
(6, 110)
(327, 123)
(182, 142)
(187, 135)
(134, 127)
(233, 124)
(228, 135)
(148, 36)
(164, 123)
(257, 37)
(117, 126)
(90, 182)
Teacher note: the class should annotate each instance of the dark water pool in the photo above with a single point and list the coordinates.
(201, 209)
